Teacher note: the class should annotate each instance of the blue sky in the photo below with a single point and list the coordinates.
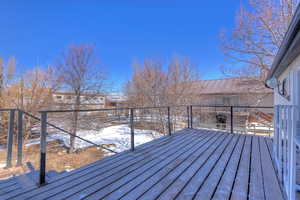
(36, 32)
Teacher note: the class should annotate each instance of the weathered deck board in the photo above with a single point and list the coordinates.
(157, 187)
(115, 170)
(157, 171)
(173, 190)
(199, 177)
(172, 163)
(206, 191)
(133, 171)
(256, 176)
(226, 183)
(76, 174)
(240, 188)
(9, 188)
(190, 164)
(115, 163)
(271, 187)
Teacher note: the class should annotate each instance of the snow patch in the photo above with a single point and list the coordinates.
(117, 137)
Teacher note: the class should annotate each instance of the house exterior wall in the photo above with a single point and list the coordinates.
(237, 100)
(287, 123)
(292, 75)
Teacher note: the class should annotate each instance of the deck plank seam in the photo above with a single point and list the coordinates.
(170, 159)
(224, 188)
(209, 138)
(262, 174)
(276, 171)
(100, 166)
(250, 163)
(138, 161)
(183, 171)
(199, 168)
(140, 148)
(210, 170)
(171, 170)
(236, 172)
(236, 142)
(74, 173)
(202, 138)
(193, 143)
(231, 153)
(9, 189)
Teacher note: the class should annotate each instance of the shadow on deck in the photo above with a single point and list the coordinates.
(190, 164)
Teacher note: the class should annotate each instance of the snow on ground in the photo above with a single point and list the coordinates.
(118, 135)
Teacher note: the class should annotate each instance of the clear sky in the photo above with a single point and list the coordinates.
(37, 31)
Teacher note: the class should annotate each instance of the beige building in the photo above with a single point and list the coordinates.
(67, 99)
(235, 92)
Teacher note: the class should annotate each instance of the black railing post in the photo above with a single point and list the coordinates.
(191, 116)
(188, 115)
(10, 136)
(43, 148)
(231, 119)
(132, 128)
(169, 121)
(20, 138)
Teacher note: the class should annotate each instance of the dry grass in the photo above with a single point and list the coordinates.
(57, 158)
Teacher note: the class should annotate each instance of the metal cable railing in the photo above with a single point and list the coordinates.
(134, 115)
(164, 120)
(67, 132)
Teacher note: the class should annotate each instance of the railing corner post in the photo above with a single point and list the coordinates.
(191, 116)
(20, 138)
(43, 143)
(188, 116)
(132, 128)
(231, 119)
(169, 121)
(10, 136)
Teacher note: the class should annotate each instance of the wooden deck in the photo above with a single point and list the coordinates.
(190, 164)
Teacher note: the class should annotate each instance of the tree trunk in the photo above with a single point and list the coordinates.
(75, 122)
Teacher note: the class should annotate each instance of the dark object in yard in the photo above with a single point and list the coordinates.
(221, 121)
(30, 166)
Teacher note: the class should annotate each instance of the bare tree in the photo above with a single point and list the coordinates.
(80, 73)
(256, 38)
(31, 92)
(151, 85)
(7, 75)
(181, 78)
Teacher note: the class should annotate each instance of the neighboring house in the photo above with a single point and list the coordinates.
(235, 92)
(67, 99)
(284, 77)
(114, 100)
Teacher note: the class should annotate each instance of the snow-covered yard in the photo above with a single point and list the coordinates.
(118, 136)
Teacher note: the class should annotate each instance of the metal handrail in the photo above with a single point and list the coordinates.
(154, 107)
(7, 109)
(131, 113)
